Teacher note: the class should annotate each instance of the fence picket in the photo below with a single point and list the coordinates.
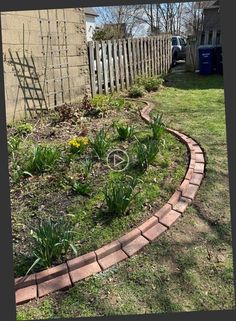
(110, 65)
(130, 61)
(99, 67)
(126, 66)
(117, 77)
(104, 60)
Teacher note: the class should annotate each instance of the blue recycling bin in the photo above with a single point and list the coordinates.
(206, 59)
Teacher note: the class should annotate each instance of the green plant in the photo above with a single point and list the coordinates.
(88, 107)
(100, 143)
(146, 152)
(81, 188)
(42, 159)
(136, 91)
(124, 130)
(157, 126)
(52, 240)
(13, 144)
(119, 194)
(87, 166)
(24, 129)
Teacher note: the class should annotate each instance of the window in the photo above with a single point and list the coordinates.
(182, 42)
(174, 41)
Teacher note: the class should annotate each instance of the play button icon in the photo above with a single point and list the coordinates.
(117, 160)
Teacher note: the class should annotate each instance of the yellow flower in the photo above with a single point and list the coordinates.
(79, 142)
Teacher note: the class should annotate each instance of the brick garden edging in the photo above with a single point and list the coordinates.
(65, 275)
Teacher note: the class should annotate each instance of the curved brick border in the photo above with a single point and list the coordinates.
(65, 275)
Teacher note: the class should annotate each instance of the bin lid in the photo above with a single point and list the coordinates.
(206, 47)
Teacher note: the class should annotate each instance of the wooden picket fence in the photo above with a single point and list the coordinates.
(115, 64)
(210, 37)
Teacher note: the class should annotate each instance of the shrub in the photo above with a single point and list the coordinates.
(152, 83)
(24, 129)
(78, 144)
(81, 188)
(124, 130)
(42, 159)
(65, 111)
(146, 153)
(100, 144)
(157, 126)
(52, 240)
(101, 103)
(119, 194)
(136, 91)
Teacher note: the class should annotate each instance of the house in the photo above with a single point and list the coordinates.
(211, 16)
(90, 21)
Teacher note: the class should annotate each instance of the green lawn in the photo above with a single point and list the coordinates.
(190, 268)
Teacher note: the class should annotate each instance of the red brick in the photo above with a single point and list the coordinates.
(199, 168)
(192, 154)
(189, 173)
(192, 163)
(51, 273)
(26, 294)
(24, 281)
(61, 282)
(108, 249)
(170, 218)
(199, 158)
(183, 185)
(182, 205)
(84, 271)
(174, 198)
(154, 232)
(190, 191)
(112, 259)
(129, 237)
(183, 137)
(135, 246)
(165, 209)
(148, 224)
(197, 149)
(196, 179)
(192, 142)
(81, 261)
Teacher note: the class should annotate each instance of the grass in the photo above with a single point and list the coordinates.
(190, 268)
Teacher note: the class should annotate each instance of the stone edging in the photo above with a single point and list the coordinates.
(65, 275)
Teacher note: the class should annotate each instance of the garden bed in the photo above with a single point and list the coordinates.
(36, 197)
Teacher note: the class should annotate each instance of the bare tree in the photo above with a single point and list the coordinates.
(182, 18)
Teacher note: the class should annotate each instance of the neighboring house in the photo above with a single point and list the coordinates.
(90, 19)
(211, 16)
